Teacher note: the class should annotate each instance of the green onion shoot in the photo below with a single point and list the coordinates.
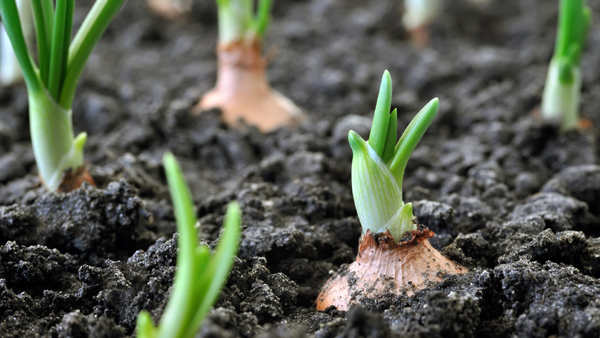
(200, 275)
(52, 82)
(378, 166)
(242, 90)
(562, 91)
(10, 71)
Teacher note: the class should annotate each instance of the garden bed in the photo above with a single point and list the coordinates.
(507, 195)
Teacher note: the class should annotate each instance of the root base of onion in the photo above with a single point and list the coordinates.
(385, 267)
(243, 92)
(419, 36)
(74, 179)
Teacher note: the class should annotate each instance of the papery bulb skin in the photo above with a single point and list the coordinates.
(75, 179)
(383, 267)
(243, 92)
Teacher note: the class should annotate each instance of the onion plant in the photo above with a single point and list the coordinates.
(418, 14)
(52, 82)
(200, 275)
(563, 84)
(378, 166)
(394, 255)
(242, 90)
(10, 71)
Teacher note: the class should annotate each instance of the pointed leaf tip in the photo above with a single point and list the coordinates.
(386, 76)
(379, 128)
(234, 212)
(356, 142)
(434, 104)
(168, 158)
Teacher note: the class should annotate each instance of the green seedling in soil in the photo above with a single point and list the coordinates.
(10, 71)
(418, 14)
(378, 166)
(393, 247)
(563, 84)
(242, 90)
(51, 84)
(200, 275)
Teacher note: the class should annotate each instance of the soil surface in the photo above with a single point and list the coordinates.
(507, 195)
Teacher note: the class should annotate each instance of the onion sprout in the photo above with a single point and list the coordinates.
(563, 84)
(51, 84)
(378, 166)
(200, 276)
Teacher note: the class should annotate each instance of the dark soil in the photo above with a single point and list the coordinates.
(507, 195)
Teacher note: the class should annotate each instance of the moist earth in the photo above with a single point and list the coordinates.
(507, 195)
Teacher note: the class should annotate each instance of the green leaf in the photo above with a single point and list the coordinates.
(263, 17)
(562, 90)
(401, 222)
(381, 118)
(52, 138)
(61, 38)
(573, 23)
(83, 44)
(144, 326)
(235, 20)
(411, 137)
(12, 24)
(217, 270)
(562, 93)
(565, 71)
(180, 308)
(377, 196)
(199, 277)
(43, 16)
(390, 141)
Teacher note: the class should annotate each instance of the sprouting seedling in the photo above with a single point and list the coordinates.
(51, 84)
(563, 84)
(242, 90)
(418, 14)
(378, 166)
(394, 255)
(200, 275)
(10, 71)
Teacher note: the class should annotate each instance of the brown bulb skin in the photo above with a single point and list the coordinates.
(74, 179)
(243, 92)
(383, 267)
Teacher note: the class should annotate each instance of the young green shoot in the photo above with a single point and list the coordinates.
(10, 71)
(420, 13)
(238, 22)
(242, 91)
(200, 275)
(563, 84)
(378, 166)
(52, 82)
